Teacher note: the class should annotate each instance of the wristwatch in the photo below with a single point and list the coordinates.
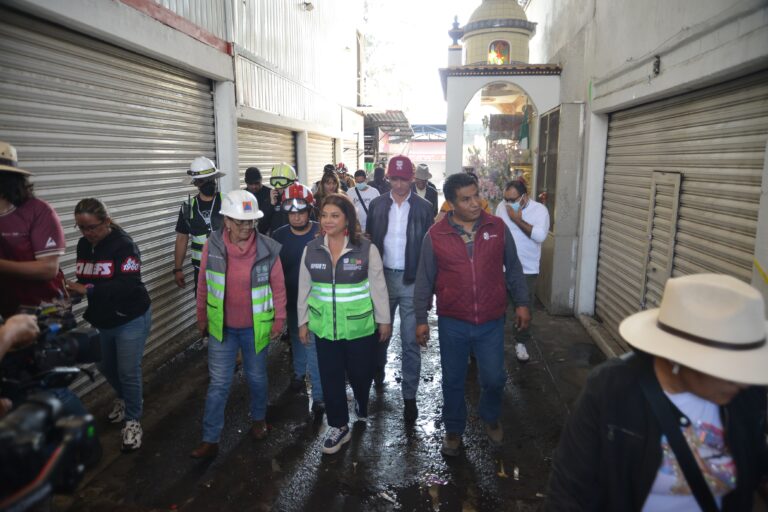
(176, 270)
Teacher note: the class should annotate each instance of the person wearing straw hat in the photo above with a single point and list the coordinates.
(197, 217)
(241, 305)
(425, 188)
(680, 423)
(31, 240)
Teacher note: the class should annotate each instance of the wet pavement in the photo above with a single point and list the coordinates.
(386, 466)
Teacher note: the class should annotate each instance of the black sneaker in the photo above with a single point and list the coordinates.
(335, 438)
(410, 411)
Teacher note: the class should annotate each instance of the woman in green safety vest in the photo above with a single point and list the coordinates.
(342, 298)
(241, 306)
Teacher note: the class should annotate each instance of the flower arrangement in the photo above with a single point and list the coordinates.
(493, 173)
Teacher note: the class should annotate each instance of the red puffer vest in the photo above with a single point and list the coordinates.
(473, 290)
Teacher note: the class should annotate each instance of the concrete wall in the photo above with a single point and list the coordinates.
(607, 48)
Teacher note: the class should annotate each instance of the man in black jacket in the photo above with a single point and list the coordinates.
(254, 185)
(397, 222)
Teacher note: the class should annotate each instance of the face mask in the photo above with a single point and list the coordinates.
(515, 206)
(208, 188)
(361, 186)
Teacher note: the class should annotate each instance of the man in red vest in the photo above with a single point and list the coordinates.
(469, 261)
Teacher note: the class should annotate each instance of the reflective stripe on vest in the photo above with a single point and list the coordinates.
(349, 305)
(262, 306)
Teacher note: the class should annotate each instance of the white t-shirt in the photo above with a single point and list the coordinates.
(670, 491)
(528, 249)
(368, 194)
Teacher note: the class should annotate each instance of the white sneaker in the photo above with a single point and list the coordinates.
(132, 434)
(117, 414)
(521, 352)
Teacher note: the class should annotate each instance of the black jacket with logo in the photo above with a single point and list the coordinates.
(113, 267)
(420, 218)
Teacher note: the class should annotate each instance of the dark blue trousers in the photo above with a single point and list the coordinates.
(340, 359)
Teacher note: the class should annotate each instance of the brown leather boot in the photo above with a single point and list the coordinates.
(259, 430)
(205, 451)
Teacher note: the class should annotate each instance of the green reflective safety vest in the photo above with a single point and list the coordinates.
(263, 309)
(340, 305)
(199, 230)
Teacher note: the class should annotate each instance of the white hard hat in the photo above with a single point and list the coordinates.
(241, 205)
(201, 168)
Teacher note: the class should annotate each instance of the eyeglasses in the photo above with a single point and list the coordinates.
(89, 229)
(238, 222)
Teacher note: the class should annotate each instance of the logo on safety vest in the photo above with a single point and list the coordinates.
(130, 264)
(317, 266)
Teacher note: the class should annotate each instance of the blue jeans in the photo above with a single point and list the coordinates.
(304, 357)
(487, 343)
(401, 297)
(221, 368)
(524, 336)
(122, 348)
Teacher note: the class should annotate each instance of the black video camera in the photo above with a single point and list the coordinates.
(43, 452)
(48, 363)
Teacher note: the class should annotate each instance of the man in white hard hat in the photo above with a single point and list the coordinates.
(197, 217)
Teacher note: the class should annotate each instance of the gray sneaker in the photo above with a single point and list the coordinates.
(117, 414)
(132, 434)
(451, 444)
(522, 353)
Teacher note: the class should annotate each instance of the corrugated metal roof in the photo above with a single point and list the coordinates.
(392, 122)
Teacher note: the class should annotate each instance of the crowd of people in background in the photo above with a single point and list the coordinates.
(679, 423)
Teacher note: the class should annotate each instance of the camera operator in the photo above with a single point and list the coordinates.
(31, 240)
(17, 332)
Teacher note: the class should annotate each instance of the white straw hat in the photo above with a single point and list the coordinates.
(9, 160)
(709, 322)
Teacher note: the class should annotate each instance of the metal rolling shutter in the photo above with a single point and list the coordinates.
(264, 147)
(320, 151)
(697, 158)
(350, 155)
(93, 120)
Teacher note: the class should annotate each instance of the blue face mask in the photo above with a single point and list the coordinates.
(361, 186)
(515, 206)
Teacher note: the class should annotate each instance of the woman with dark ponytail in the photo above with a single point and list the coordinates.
(108, 273)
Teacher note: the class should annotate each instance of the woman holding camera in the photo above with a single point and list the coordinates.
(108, 271)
